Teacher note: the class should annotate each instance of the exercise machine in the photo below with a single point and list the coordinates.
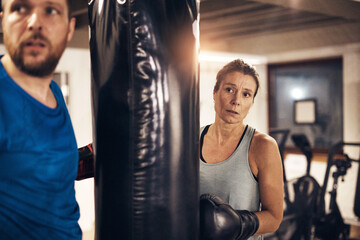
(300, 207)
(329, 224)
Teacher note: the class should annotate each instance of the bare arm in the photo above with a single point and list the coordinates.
(265, 162)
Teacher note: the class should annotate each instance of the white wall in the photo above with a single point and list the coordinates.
(76, 62)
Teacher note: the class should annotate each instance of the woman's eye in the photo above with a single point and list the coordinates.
(229, 90)
(247, 94)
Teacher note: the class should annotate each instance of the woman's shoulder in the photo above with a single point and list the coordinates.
(264, 150)
(263, 140)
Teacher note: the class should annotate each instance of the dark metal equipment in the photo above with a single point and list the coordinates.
(329, 223)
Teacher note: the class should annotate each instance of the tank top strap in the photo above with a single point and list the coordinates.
(247, 138)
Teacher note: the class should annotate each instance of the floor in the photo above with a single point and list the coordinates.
(354, 234)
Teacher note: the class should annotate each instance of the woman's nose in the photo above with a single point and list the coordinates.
(235, 100)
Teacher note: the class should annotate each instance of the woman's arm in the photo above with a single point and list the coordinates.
(265, 162)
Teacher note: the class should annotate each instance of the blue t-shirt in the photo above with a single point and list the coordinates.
(38, 166)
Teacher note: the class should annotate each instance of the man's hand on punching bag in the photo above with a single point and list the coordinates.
(219, 221)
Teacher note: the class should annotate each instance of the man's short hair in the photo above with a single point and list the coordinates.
(237, 65)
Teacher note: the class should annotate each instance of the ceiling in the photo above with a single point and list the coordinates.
(272, 26)
(263, 26)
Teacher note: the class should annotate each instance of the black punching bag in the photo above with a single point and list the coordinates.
(357, 195)
(146, 118)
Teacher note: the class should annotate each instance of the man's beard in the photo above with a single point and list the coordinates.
(42, 69)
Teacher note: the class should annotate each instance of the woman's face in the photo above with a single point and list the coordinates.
(234, 97)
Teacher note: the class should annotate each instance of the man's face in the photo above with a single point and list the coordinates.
(36, 33)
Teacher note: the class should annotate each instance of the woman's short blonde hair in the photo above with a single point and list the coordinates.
(237, 65)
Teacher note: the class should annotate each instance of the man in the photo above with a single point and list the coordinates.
(38, 150)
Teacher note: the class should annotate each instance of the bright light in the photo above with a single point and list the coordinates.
(297, 93)
(208, 56)
(100, 6)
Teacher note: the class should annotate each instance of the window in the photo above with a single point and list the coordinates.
(307, 98)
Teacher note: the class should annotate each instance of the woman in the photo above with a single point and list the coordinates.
(239, 165)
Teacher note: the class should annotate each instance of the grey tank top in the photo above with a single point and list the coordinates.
(232, 179)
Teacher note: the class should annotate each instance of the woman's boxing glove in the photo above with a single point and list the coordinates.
(219, 221)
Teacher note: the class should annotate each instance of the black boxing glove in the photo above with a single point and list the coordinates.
(86, 162)
(219, 221)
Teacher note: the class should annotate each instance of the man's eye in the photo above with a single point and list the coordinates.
(247, 94)
(51, 11)
(19, 8)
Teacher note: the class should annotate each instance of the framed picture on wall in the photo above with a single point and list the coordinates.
(305, 111)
